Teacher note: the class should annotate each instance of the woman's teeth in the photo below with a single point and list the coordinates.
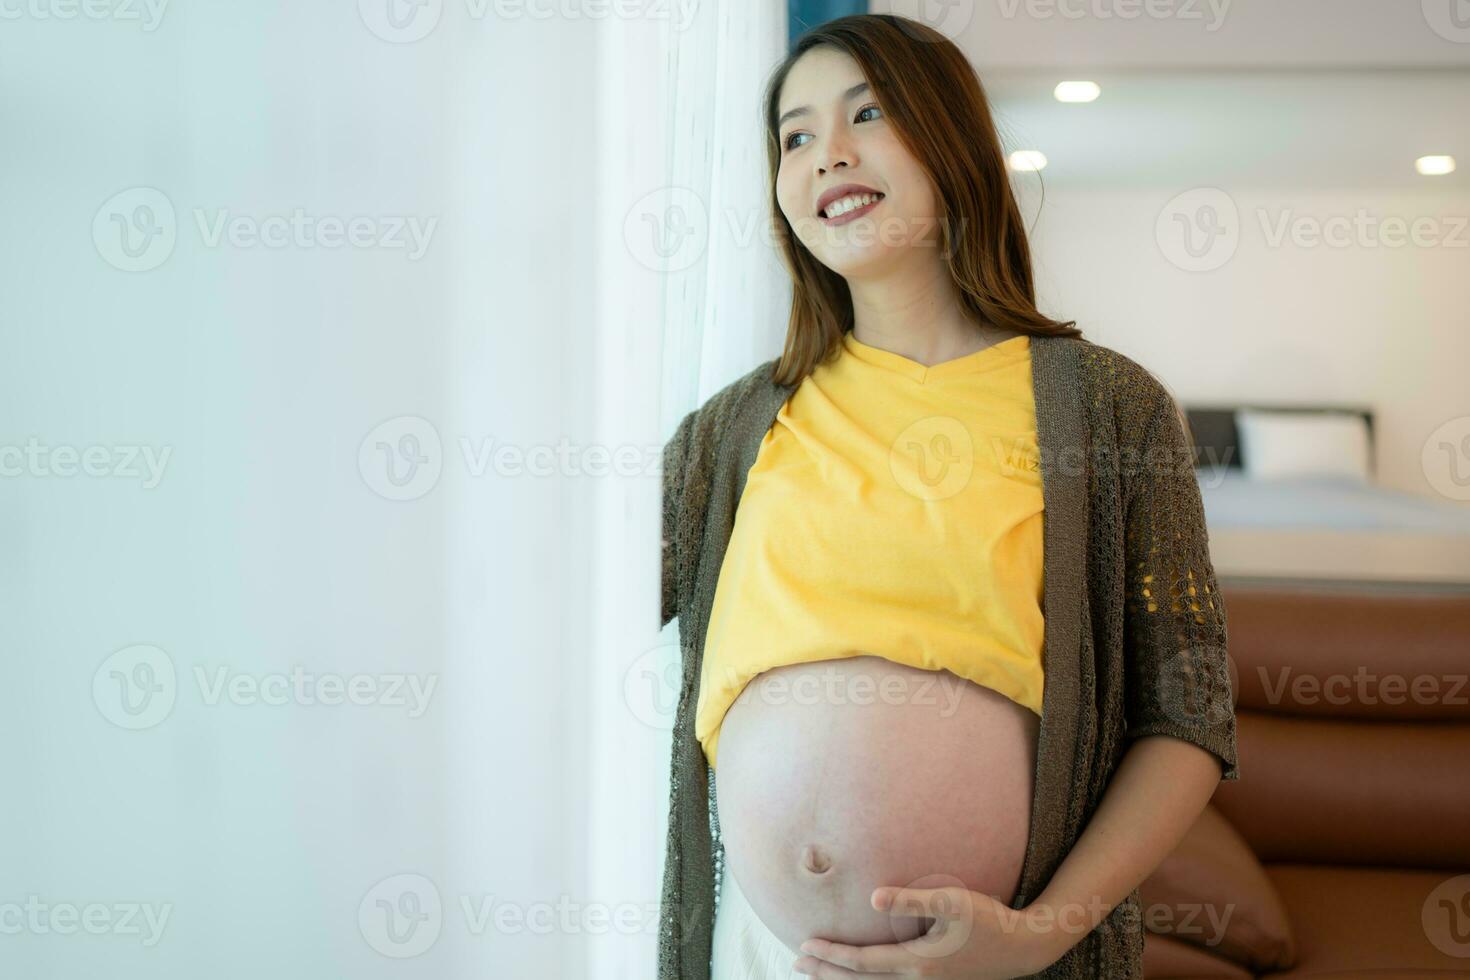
(838, 208)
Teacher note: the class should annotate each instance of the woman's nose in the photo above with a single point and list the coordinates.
(837, 153)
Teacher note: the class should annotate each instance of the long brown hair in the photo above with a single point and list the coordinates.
(932, 95)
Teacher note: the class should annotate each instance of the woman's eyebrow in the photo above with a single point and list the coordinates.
(850, 94)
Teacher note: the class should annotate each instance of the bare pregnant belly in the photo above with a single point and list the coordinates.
(837, 777)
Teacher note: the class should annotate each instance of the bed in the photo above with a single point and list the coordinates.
(1290, 497)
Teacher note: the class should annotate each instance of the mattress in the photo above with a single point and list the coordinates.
(1332, 528)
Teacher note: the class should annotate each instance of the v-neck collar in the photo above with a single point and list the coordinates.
(983, 359)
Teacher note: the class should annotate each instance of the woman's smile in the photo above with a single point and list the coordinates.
(853, 213)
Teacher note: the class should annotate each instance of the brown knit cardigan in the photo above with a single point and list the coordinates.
(1135, 639)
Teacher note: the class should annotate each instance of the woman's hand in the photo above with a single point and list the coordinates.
(974, 937)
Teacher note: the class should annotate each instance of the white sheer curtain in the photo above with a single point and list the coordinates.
(691, 295)
(512, 824)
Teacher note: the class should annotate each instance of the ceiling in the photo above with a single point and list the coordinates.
(1319, 130)
(1262, 93)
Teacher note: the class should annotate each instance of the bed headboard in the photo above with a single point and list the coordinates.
(1216, 441)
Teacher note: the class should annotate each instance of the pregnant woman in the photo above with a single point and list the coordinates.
(954, 669)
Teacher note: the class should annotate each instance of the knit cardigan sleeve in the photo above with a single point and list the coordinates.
(674, 466)
(1178, 669)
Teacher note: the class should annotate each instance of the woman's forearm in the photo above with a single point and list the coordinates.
(1157, 792)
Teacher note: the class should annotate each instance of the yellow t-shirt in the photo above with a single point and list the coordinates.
(893, 509)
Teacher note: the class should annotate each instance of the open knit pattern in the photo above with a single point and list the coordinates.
(1135, 628)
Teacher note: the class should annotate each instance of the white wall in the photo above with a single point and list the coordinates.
(1288, 322)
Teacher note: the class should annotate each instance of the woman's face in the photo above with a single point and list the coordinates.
(842, 137)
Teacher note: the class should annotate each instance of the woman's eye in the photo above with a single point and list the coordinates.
(873, 107)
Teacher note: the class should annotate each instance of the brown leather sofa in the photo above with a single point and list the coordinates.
(1343, 851)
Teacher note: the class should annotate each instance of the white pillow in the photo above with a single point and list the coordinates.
(1282, 445)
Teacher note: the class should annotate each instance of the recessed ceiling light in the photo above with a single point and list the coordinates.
(1076, 91)
(1435, 166)
(1027, 160)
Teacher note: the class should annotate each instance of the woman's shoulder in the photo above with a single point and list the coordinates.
(1113, 378)
(702, 428)
(715, 413)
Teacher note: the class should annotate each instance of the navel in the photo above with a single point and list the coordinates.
(815, 860)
